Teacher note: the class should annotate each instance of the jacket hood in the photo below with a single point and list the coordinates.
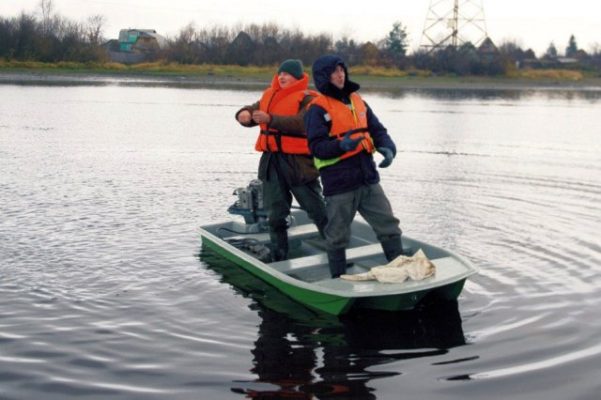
(322, 70)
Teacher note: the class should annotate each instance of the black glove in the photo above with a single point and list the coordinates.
(388, 156)
(347, 143)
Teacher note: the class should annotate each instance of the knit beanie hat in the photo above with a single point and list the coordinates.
(293, 67)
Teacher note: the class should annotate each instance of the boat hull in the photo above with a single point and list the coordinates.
(305, 277)
(327, 303)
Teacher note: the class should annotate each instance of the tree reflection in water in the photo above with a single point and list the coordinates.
(303, 354)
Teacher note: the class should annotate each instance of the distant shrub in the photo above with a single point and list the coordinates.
(377, 71)
(558, 74)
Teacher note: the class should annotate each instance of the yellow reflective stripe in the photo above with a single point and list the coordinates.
(352, 106)
(320, 163)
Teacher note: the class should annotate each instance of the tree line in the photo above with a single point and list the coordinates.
(50, 37)
(46, 36)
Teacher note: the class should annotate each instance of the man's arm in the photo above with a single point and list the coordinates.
(246, 120)
(378, 132)
(318, 132)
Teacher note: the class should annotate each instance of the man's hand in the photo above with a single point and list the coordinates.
(388, 156)
(348, 144)
(244, 117)
(261, 117)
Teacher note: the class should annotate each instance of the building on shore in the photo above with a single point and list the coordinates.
(135, 46)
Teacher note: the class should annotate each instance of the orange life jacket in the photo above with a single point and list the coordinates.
(344, 118)
(278, 101)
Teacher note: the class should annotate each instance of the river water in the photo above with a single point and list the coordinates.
(105, 291)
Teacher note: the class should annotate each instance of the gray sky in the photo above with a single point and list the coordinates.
(533, 24)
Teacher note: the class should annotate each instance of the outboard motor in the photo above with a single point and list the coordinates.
(250, 205)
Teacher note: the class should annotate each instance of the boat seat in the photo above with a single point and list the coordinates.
(294, 232)
(354, 253)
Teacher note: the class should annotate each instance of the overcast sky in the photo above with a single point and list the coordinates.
(532, 23)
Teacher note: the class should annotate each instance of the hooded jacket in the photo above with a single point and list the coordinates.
(352, 172)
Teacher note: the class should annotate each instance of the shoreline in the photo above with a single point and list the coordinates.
(45, 77)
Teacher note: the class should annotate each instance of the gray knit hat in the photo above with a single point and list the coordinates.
(293, 67)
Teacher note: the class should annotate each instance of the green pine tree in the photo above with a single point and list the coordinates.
(551, 51)
(396, 43)
(572, 48)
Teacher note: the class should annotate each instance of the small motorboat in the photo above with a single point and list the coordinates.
(305, 276)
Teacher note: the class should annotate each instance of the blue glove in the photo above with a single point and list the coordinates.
(388, 156)
(348, 144)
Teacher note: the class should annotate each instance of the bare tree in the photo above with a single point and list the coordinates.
(46, 8)
(185, 47)
(94, 29)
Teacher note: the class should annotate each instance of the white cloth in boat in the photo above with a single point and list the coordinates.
(415, 267)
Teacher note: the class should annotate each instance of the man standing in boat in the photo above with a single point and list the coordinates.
(286, 167)
(343, 134)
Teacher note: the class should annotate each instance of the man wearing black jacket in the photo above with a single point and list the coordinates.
(343, 134)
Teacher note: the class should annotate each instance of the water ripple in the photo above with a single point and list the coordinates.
(104, 293)
(561, 360)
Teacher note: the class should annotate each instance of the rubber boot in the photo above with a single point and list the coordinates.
(393, 247)
(337, 262)
(279, 245)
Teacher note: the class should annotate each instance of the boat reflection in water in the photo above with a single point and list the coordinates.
(302, 353)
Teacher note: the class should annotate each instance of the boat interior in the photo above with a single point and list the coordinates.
(307, 250)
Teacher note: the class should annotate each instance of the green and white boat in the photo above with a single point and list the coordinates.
(305, 276)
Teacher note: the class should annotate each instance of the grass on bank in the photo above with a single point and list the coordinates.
(547, 74)
(263, 72)
(200, 69)
(150, 68)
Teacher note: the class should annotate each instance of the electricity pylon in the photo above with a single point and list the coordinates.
(453, 23)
